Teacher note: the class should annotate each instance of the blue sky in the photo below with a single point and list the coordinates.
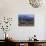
(26, 16)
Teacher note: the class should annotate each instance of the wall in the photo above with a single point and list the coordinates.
(11, 8)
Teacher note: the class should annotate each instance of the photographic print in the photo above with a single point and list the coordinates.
(25, 20)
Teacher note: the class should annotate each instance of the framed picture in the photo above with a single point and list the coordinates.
(25, 20)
